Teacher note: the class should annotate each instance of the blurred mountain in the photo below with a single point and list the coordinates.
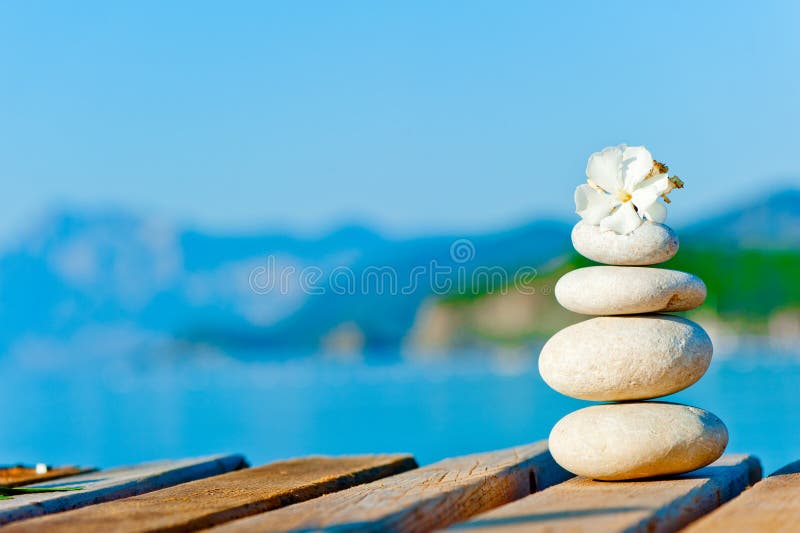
(115, 279)
(108, 272)
(384, 312)
(769, 222)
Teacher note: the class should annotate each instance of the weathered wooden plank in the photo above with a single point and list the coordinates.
(667, 504)
(207, 502)
(771, 505)
(423, 499)
(115, 483)
(16, 476)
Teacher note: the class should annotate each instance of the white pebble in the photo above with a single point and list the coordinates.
(615, 290)
(648, 244)
(637, 440)
(625, 358)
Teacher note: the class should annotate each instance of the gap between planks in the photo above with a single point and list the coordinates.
(206, 502)
(771, 505)
(420, 500)
(650, 506)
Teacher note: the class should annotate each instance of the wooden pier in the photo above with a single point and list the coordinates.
(517, 489)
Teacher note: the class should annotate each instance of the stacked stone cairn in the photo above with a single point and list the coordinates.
(629, 353)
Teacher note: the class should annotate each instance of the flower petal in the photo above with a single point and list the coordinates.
(622, 221)
(656, 212)
(636, 165)
(648, 191)
(605, 168)
(661, 181)
(592, 205)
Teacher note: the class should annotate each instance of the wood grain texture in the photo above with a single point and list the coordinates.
(204, 503)
(581, 504)
(421, 500)
(115, 483)
(17, 476)
(771, 505)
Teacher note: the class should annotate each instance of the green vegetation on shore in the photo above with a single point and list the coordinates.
(744, 284)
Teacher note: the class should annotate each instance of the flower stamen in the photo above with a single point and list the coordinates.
(673, 182)
(657, 169)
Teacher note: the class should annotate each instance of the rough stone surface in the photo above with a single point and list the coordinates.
(637, 440)
(648, 244)
(625, 358)
(616, 290)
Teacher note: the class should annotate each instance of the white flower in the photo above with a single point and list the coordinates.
(623, 189)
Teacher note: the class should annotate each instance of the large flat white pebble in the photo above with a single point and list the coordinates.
(637, 440)
(648, 244)
(625, 358)
(615, 290)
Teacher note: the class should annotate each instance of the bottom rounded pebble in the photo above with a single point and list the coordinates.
(616, 442)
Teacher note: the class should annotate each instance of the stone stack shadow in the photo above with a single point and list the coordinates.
(629, 353)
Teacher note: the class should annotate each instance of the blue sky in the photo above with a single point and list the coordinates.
(410, 116)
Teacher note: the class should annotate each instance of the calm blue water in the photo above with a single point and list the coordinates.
(122, 410)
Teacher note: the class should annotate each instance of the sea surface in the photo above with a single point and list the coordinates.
(111, 411)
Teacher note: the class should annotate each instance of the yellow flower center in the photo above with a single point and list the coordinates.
(623, 196)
